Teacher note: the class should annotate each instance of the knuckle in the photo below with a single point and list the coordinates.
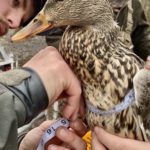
(51, 48)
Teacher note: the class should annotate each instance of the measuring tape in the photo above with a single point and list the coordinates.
(50, 133)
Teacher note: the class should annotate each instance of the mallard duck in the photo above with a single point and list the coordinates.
(92, 47)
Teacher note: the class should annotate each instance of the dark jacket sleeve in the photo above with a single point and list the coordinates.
(141, 31)
(18, 105)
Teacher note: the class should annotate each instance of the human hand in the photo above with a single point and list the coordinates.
(102, 140)
(58, 79)
(69, 138)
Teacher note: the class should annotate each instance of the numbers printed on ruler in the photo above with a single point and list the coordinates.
(50, 132)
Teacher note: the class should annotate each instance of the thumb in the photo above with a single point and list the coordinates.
(32, 138)
(117, 143)
(95, 144)
(110, 141)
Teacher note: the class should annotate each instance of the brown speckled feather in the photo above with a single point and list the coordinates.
(106, 68)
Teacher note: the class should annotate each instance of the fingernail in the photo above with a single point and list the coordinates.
(52, 147)
(63, 133)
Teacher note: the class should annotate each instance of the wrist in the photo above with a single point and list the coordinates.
(32, 93)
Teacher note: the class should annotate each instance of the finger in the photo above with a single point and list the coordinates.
(95, 144)
(33, 137)
(70, 112)
(82, 108)
(70, 139)
(40, 129)
(79, 127)
(107, 139)
(56, 147)
(73, 90)
(74, 110)
(111, 141)
(45, 125)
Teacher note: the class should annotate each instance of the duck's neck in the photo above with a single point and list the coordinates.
(106, 28)
(102, 18)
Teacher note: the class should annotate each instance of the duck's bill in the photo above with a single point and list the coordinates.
(37, 25)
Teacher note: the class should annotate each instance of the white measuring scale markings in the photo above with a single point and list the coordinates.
(51, 131)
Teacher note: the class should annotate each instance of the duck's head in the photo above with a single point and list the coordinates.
(58, 13)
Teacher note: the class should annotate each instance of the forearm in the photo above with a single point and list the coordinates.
(18, 105)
